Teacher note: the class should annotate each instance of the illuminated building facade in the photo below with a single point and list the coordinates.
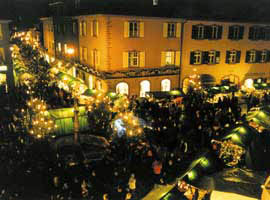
(135, 54)
(6, 68)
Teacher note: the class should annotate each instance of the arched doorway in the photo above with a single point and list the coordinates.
(144, 87)
(122, 88)
(165, 85)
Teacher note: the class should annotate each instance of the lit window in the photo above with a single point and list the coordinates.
(165, 85)
(59, 47)
(95, 57)
(263, 56)
(91, 82)
(169, 57)
(133, 59)
(133, 29)
(233, 56)
(144, 87)
(213, 57)
(196, 57)
(171, 29)
(155, 2)
(122, 88)
(65, 48)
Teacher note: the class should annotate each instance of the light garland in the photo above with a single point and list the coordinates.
(229, 152)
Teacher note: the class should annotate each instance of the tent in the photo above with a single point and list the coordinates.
(63, 118)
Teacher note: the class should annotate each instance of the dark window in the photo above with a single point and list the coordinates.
(214, 32)
(233, 56)
(254, 33)
(198, 32)
(195, 57)
(236, 32)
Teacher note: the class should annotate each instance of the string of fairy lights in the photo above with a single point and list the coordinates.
(41, 125)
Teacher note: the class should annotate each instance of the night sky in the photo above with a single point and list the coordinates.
(244, 10)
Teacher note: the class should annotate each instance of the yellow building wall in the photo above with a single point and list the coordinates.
(243, 70)
(152, 43)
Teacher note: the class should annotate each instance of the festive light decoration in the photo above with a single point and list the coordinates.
(41, 125)
(229, 152)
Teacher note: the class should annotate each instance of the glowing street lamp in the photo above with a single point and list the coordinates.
(70, 51)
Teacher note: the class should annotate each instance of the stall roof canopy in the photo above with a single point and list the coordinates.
(68, 77)
(66, 112)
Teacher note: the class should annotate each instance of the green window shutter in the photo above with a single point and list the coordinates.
(230, 35)
(194, 32)
(241, 32)
(247, 56)
(227, 57)
(220, 29)
(238, 56)
(217, 57)
(258, 56)
(205, 58)
(207, 32)
(192, 59)
(251, 33)
(267, 56)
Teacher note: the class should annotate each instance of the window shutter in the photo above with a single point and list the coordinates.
(81, 52)
(258, 56)
(85, 57)
(227, 57)
(141, 29)
(194, 32)
(98, 58)
(178, 31)
(247, 56)
(92, 58)
(267, 56)
(238, 56)
(97, 28)
(125, 59)
(192, 53)
(126, 29)
(177, 58)
(142, 59)
(230, 34)
(80, 28)
(261, 33)
(207, 32)
(173, 57)
(205, 59)
(217, 57)
(165, 30)
(163, 56)
(251, 33)
(1, 32)
(241, 32)
(220, 29)
(91, 28)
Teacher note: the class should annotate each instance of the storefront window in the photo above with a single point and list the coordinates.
(144, 87)
(122, 88)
